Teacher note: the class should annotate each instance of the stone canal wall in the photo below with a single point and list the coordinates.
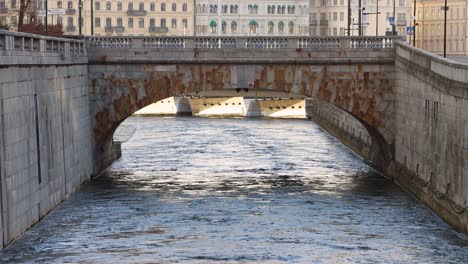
(341, 125)
(430, 158)
(45, 142)
(431, 139)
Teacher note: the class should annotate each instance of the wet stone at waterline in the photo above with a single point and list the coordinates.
(192, 190)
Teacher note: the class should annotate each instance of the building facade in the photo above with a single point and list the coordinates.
(264, 18)
(113, 17)
(430, 32)
(330, 17)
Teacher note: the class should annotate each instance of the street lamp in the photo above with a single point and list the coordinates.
(92, 17)
(414, 24)
(394, 20)
(80, 6)
(46, 21)
(360, 19)
(349, 18)
(445, 8)
(376, 19)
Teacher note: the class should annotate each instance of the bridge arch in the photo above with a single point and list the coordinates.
(359, 95)
(360, 82)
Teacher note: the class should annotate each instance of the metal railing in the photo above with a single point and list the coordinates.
(381, 42)
(25, 42)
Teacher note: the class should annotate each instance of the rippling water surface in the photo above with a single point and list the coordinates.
(192, 190)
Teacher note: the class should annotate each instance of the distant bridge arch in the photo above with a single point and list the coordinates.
(354, 74)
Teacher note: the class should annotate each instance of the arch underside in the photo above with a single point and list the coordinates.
(363, 90)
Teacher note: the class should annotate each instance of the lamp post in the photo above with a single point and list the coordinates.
(80, 6)
(46, 21)
(92, 17)
(394, 20)
(414, 24)
(377, 18)
(445, 8)
(360, 19)
(349, 18)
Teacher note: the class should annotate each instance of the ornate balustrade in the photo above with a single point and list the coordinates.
(383, 42)
(24, 42)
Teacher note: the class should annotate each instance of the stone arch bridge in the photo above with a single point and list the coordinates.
(61, 101)
(354, 74)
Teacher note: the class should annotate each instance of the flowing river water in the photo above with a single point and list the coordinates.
(194, 190)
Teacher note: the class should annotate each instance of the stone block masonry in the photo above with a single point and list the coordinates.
(45, 143)
(431, 124)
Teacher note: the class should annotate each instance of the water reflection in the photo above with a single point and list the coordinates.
(191, 190)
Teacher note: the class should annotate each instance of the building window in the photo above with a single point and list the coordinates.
(224, 9)
(174, 23)
(253, 26)
(152, 23)
(223, 26)
(142, 6)
(130, 6)
(13, 4)
(119, 22)
(163, 7)
(70, 22)
(184, 23)
(108, 22)
(213, 26)
(141, 23)
(130, 22)
(233, 27)
(184, 7)
(70, 5)
(152, 6)
(14, 21)
(59, 20)
(97, 22)
(108, 6)
(281, 27)
(174, 7)
(270, 27)
(291, 27)
(119, 6)
(97, 6)
(163, 22)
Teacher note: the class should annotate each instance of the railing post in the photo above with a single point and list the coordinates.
(345, 43)
(189, 43)
(136, 43)
(42, 45)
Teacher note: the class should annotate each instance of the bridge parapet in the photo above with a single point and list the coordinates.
(242, 50)
(381, 42)
(19, 48)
